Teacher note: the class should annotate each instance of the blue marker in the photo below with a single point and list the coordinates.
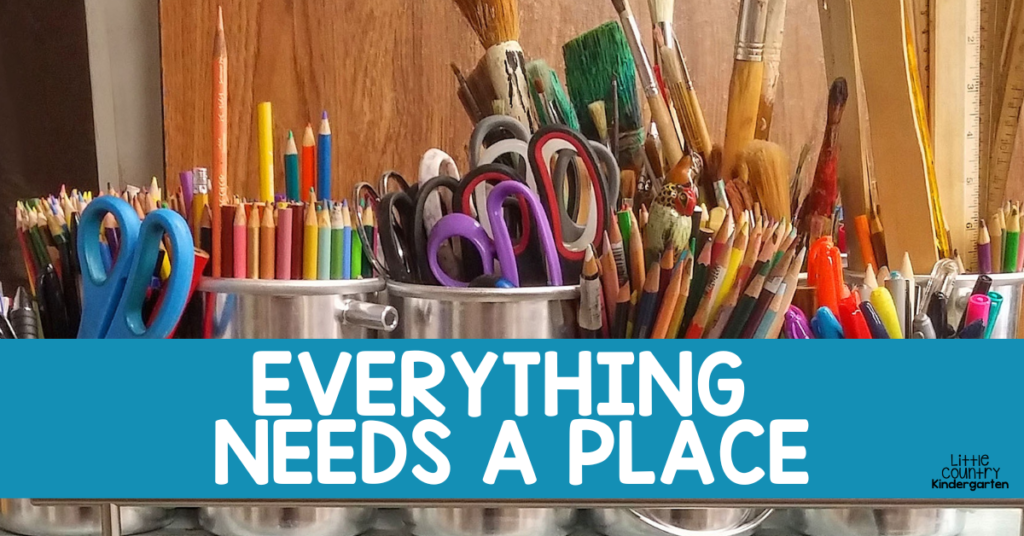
(825, 324)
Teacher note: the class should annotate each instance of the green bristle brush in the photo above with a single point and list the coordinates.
(592, 61)
(548, 96)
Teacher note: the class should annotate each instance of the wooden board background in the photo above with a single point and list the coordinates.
(380, 68)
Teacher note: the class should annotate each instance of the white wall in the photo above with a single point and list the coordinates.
(124, 57)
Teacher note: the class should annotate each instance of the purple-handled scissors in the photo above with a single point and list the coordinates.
(501, 248)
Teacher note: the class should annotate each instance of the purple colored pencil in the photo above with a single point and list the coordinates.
(186, 192)
(984, 250)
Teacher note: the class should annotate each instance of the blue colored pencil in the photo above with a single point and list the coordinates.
(323, 169)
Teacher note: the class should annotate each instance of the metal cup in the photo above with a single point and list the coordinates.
(273, 309)
(490, 521)
(878, 522)
(431, 312)
(280, 521)
(678, 521)
(20, 516)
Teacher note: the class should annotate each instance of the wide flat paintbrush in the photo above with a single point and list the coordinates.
(659, 110)
(496, 23)
(745, 84)
(595, 62)
(765, 166)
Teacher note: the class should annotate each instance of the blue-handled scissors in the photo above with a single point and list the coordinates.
(113, 301)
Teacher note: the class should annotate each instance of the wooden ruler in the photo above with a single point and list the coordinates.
(921, 25)
(956, 112)
(1006, 112)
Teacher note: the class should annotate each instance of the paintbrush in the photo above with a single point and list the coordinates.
(659, 110)
(596, 61)
(765, 166)
(496, 23)
(549, 96)
(774, 31)
(684, 99)
(745, 84)
(816, 212)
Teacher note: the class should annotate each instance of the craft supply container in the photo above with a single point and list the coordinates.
(878, 522)
(272, 309)
(280, 521)
(490, 521)
(1009, 286)
(678, 521)
(20, 516)
(432, 312)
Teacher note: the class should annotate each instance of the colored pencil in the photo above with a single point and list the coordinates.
(337, 243)
(323, 263)
(984, 250)
(668, 302)
(346, 242)
(357, 259)
(220, 143)
(1012, 238)
(268, 244)
(609, 281)
(291, 169)
(285, 222)
(590, 316)
(298, 242)
(648, 304)
(310, 240)
(254, 242)
(308, 160)
(265, 133)
(323, 169)
(241, 242)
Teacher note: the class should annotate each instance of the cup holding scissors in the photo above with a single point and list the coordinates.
(113, 301)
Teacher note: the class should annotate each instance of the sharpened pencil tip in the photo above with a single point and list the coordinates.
(324, 115)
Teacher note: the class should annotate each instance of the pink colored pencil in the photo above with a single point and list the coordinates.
(241, 241)
(284, 243)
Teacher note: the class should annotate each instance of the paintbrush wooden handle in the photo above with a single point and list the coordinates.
(666, 129)
(741, 119)
(684, 99)
(506, 67)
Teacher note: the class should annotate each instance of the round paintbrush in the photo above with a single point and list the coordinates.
(496, 23)
(765, 166)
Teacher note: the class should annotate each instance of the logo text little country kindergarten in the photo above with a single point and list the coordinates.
(974, 472)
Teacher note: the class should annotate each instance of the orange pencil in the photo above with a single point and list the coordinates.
(220, 139)
(668, 302)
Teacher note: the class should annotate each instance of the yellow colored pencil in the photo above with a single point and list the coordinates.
(265, 129)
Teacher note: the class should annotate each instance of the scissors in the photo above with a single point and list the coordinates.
(540, 152)
(501, 247)
(113, 301)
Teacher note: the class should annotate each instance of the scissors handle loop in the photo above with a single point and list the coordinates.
(101, 289)
(461, 226)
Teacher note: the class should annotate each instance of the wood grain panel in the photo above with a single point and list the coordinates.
(380, 68)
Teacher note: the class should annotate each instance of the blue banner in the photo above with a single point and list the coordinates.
(511, 419)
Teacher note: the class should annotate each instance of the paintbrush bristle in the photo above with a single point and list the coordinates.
(592, 61)
(494, 21)
(662, 10)
(766, 167)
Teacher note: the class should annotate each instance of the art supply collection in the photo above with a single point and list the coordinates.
(668, 232)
